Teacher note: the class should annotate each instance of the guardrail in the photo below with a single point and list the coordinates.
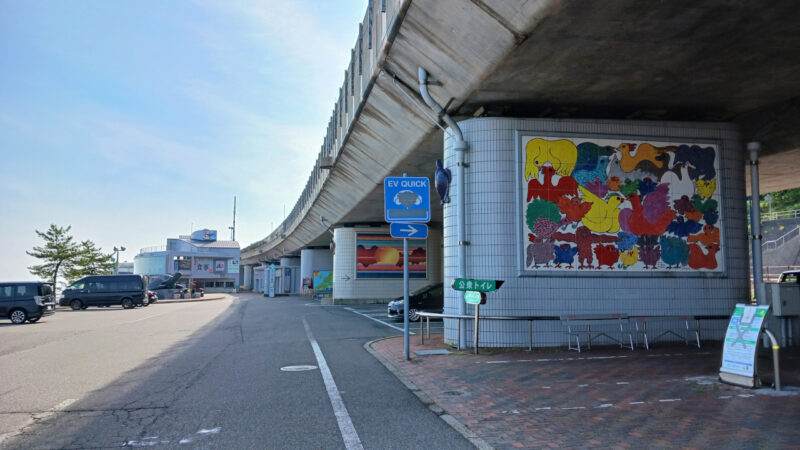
(778, 215)
(153, 248)
(378, 27)
(775, 243)
(530, 319)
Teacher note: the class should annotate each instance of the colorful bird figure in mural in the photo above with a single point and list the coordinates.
(674, 251)
(442, 178)
(552, 187)
(709, 235)
(633, 155)
(565, 254)
(607, 255)
(561, 154)
(584, 238)
(698, 259)
(633, 220)
(700, 158)
(598, 172)
(597, 187)
(682, 227)
(603, 216)
(574, 208)
(706, 188)
(649, 255)
(629, 257)
(615, 170)
(540, 251)
(656, 202)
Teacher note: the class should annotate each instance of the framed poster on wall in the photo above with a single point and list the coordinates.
(381, 256)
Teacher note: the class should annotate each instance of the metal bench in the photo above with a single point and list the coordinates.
(581, 324)
(640, 323)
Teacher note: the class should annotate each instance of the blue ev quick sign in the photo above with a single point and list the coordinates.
(407, 199)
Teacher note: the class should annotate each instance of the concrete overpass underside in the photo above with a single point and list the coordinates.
(711, 61)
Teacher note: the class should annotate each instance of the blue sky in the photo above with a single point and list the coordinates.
(135, 121)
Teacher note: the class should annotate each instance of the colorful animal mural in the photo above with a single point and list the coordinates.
(381, 256)
(620, 205)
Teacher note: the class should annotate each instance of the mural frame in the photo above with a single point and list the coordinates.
(520, 205)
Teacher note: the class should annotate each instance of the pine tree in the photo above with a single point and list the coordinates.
(90, 261)
(57, 254)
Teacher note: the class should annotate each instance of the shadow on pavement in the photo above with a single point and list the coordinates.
(129, 411)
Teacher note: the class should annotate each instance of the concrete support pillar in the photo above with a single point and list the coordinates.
(248, 276)
(314, 260)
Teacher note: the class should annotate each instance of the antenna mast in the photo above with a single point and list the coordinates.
(233, 228)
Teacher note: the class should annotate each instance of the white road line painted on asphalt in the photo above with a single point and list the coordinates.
(346, 428)
(209, 431)
(148, 317)
(622, 382)
(636, 403)
(725, 397)
(497, 362)
(64, 404)
(583, 385)
(544, 408)
(605, 405)
(379, 321)
(667, 400)
(574, 407)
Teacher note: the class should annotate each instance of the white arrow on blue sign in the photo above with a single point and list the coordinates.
(408, 230)
(407, 199)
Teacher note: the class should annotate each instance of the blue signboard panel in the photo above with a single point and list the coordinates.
(408, 230)
(407, 199)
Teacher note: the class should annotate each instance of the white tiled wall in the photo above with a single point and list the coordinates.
(492, 228)
(346, 286)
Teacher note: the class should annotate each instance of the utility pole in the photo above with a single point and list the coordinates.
(233, 228)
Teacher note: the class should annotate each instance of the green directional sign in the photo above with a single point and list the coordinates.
(468, 284)
(472, 297)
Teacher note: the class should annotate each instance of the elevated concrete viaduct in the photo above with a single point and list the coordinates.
(552, 69)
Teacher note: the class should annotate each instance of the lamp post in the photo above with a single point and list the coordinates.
(120, 249)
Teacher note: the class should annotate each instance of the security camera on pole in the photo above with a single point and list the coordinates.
(407, 205)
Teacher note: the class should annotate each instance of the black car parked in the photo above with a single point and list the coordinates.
(429, 299)
(106, 290)
(26, 300)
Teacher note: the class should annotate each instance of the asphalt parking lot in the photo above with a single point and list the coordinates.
(378, 313)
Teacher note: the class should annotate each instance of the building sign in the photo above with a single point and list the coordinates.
(219, 265)
(184, 264)
(204, 235)
(381, 256)
(407, 199)
(592, 204)
(233, 266)
(205, 265)
(741, 339)
(323, 282)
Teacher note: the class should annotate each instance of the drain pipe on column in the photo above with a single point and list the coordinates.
(755, 224)
(460, 148)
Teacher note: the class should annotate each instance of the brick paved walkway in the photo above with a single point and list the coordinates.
(606, 397)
